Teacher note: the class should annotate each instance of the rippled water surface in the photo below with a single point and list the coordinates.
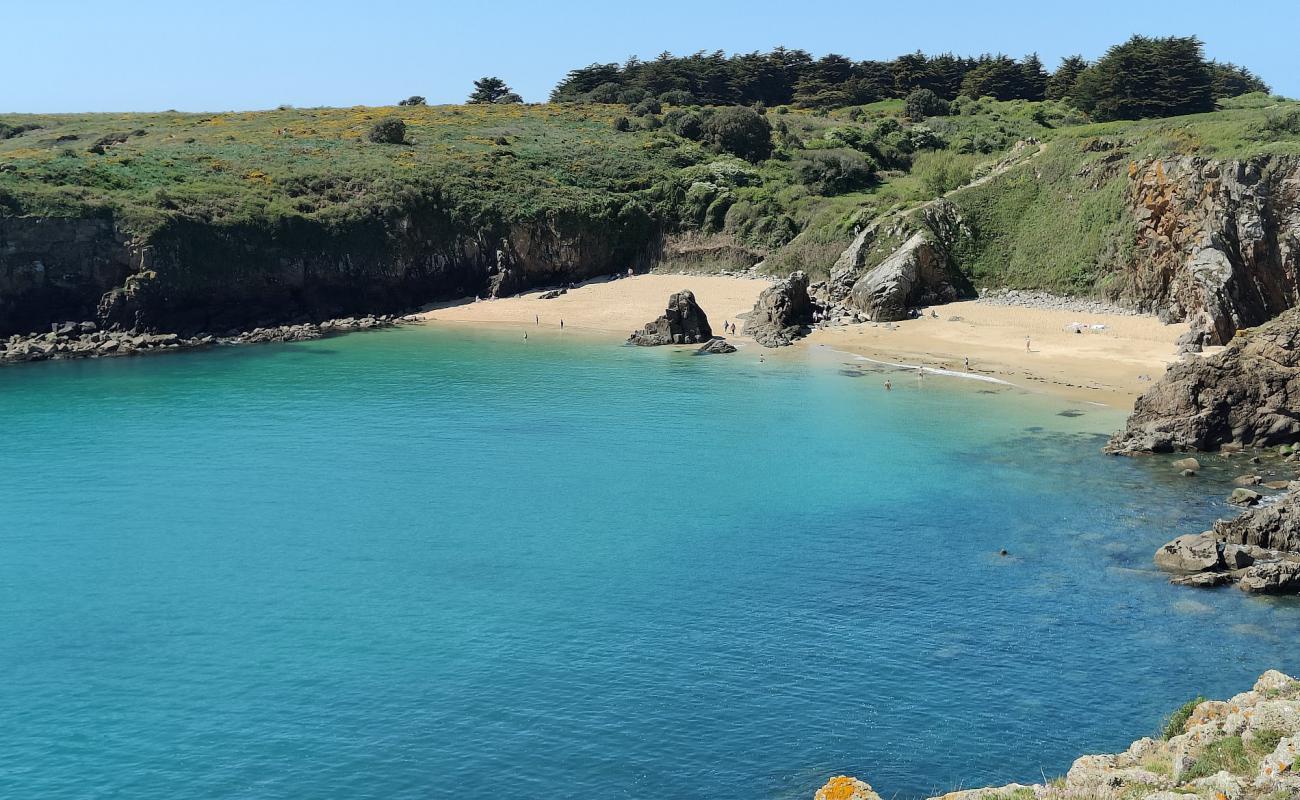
(429, 563)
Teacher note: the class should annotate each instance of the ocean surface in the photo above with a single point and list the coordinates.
(445, 563)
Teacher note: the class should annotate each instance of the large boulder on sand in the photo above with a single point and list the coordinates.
(782, 311)
(683, 322)
(1246, 395)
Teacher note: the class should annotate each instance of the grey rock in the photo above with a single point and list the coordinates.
(683, 322)
(1192, 553)
(717, 345)
(782, 312)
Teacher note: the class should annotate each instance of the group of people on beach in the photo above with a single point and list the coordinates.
(728, 327)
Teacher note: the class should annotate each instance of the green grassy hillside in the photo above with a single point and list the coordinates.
(1048, 227)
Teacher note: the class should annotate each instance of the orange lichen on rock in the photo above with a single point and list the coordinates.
(843, 787)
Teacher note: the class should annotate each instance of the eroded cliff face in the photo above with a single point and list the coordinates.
(190, 277)
(1218, 242)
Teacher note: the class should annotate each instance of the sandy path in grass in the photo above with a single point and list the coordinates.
(1111, 365)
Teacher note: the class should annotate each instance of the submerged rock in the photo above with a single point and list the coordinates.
(683, 322)
(782, 313)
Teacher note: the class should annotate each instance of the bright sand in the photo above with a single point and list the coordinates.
(1111, 365)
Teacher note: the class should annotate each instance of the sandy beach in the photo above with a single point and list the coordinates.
(1111, 365)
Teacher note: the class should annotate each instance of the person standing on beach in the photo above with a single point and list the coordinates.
(537, 320)
(1026, 344)
(967, 360)
(561, 324)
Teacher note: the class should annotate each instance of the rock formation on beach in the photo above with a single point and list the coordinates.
(716, 345)
(683, 322)
(1248, 394)
(782, 312)
(917, 273)
(1244, 748)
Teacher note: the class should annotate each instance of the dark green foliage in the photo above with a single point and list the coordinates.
(832, 172)
(647, 106)
(1061, 85)
(1147, 77)
(999, 77)
(622, 124)
(922, 103)
(413, 100)
(684, 123)
(389, 130)
(1282, 123)
(1230, 80)
(793, 77)
(492, 90)
(1178, 720)
(8, 131)
(1033, 78)
(740, 131)
(677, 97)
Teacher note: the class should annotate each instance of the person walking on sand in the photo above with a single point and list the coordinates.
(561, 324)
(1026, 344)
(966, 359)
(537, 320)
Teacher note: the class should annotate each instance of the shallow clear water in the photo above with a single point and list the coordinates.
(420, 563)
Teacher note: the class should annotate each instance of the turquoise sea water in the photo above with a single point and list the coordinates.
(429, 563)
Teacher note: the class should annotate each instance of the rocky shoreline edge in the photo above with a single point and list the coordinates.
(1243, 748)
(71, 340)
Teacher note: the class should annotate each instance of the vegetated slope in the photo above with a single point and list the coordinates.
(1190, 217)
(236, 219)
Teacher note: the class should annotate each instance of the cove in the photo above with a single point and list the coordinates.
(427, 561)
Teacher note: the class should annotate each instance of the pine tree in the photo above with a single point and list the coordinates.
(1061, 84)
(492, 90)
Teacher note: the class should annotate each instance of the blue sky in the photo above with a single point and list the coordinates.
(141, 55)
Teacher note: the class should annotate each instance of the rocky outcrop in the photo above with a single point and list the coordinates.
(683, 322)
(842, 787)
(1218, 242)
(70, 340)
(1259, 551)
(917, 272)
(715, 346)
(1261, 727)
(1249, 394)
(782, 313)
(189, 276)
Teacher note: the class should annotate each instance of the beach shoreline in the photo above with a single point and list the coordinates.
(1093, 357)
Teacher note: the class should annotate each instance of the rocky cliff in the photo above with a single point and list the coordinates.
(1244, 748)
(190, 277)
(1248, 394)
(1216, 242)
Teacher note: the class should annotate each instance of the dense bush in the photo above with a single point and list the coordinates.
(677, 97)
(740, 131)
(1282, 123)
(647, 106)
(922, 103)
(686, 124)
(832, 172)
(942, 171)
(622, 124)
(389, 130)
(413, 100)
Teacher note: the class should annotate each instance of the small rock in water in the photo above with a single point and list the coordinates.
(1244, 497)
(1187, 463)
